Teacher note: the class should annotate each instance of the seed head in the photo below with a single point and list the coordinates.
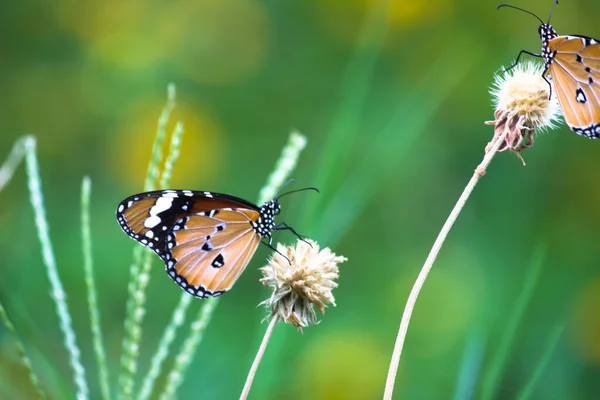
(302, 281)
(523, 105)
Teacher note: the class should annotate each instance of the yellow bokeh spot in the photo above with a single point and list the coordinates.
(586, 322)
(449, 302)
(213, 42)
(218, 42)
(351, 366)
(201, 153)
(346, 19)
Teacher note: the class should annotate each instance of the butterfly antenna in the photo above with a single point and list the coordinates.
(520, 9)
(297, 190)
(283, 186)
(552, 10)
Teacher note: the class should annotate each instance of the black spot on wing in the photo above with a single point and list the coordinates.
(218, 261)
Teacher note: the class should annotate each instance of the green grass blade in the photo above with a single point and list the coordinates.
(35, 382)
(470, 367)
(493, 375)
(58, 293)
(88, 267)
(12, 162)
(354, 89)
(542, 364)
(139, 277)
(389, 146)
(283, 168)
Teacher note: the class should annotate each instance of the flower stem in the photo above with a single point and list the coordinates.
(258, 358)
(437, 245)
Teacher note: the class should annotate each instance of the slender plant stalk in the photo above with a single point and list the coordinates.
(493, 376)
(437, 245)
(58, 294)
(139, 277)
(88, 267)
(188, 349)
(258, 358)
(542, 364)
(283, 168)
(33, 378)
(144, 274)
(177, 319)
(172, 155)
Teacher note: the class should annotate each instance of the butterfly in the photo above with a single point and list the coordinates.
(573, 62)
(205, 239)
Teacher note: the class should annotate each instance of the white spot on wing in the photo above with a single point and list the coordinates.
(121, 208)
(152, 221)
(162, 204)
(150, 234)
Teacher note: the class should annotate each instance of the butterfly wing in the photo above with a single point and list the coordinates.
(575, 71)
(205, 239)
(206, 253)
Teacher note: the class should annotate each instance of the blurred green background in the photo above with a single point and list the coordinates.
(392, 99)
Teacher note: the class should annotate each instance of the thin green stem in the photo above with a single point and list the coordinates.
(172, 156)
(57, 293)
(139, 277)
(35, 382)
(88, 267)
(177, 319)
(188, 349)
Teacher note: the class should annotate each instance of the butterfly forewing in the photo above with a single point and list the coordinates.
(205, 239)
(575, 71)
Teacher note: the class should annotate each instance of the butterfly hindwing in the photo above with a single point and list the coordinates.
(207, 255)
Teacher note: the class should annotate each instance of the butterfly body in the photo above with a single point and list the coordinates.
(205, 239)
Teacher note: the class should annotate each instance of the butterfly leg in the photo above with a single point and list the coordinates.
(285, 227)
(268, 244)
(519, 57)
(547, 81)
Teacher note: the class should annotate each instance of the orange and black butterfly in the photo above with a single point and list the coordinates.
(206, 239)
(573, 62)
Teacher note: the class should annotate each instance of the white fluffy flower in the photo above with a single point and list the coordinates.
(523, 92)
(304, 280)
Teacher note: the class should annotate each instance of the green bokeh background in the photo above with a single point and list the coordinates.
(393, 101)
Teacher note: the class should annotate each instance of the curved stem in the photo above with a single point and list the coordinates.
(437, 245)
(258, 358)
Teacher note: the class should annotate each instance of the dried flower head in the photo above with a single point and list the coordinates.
(300, 284)
(523, 105)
